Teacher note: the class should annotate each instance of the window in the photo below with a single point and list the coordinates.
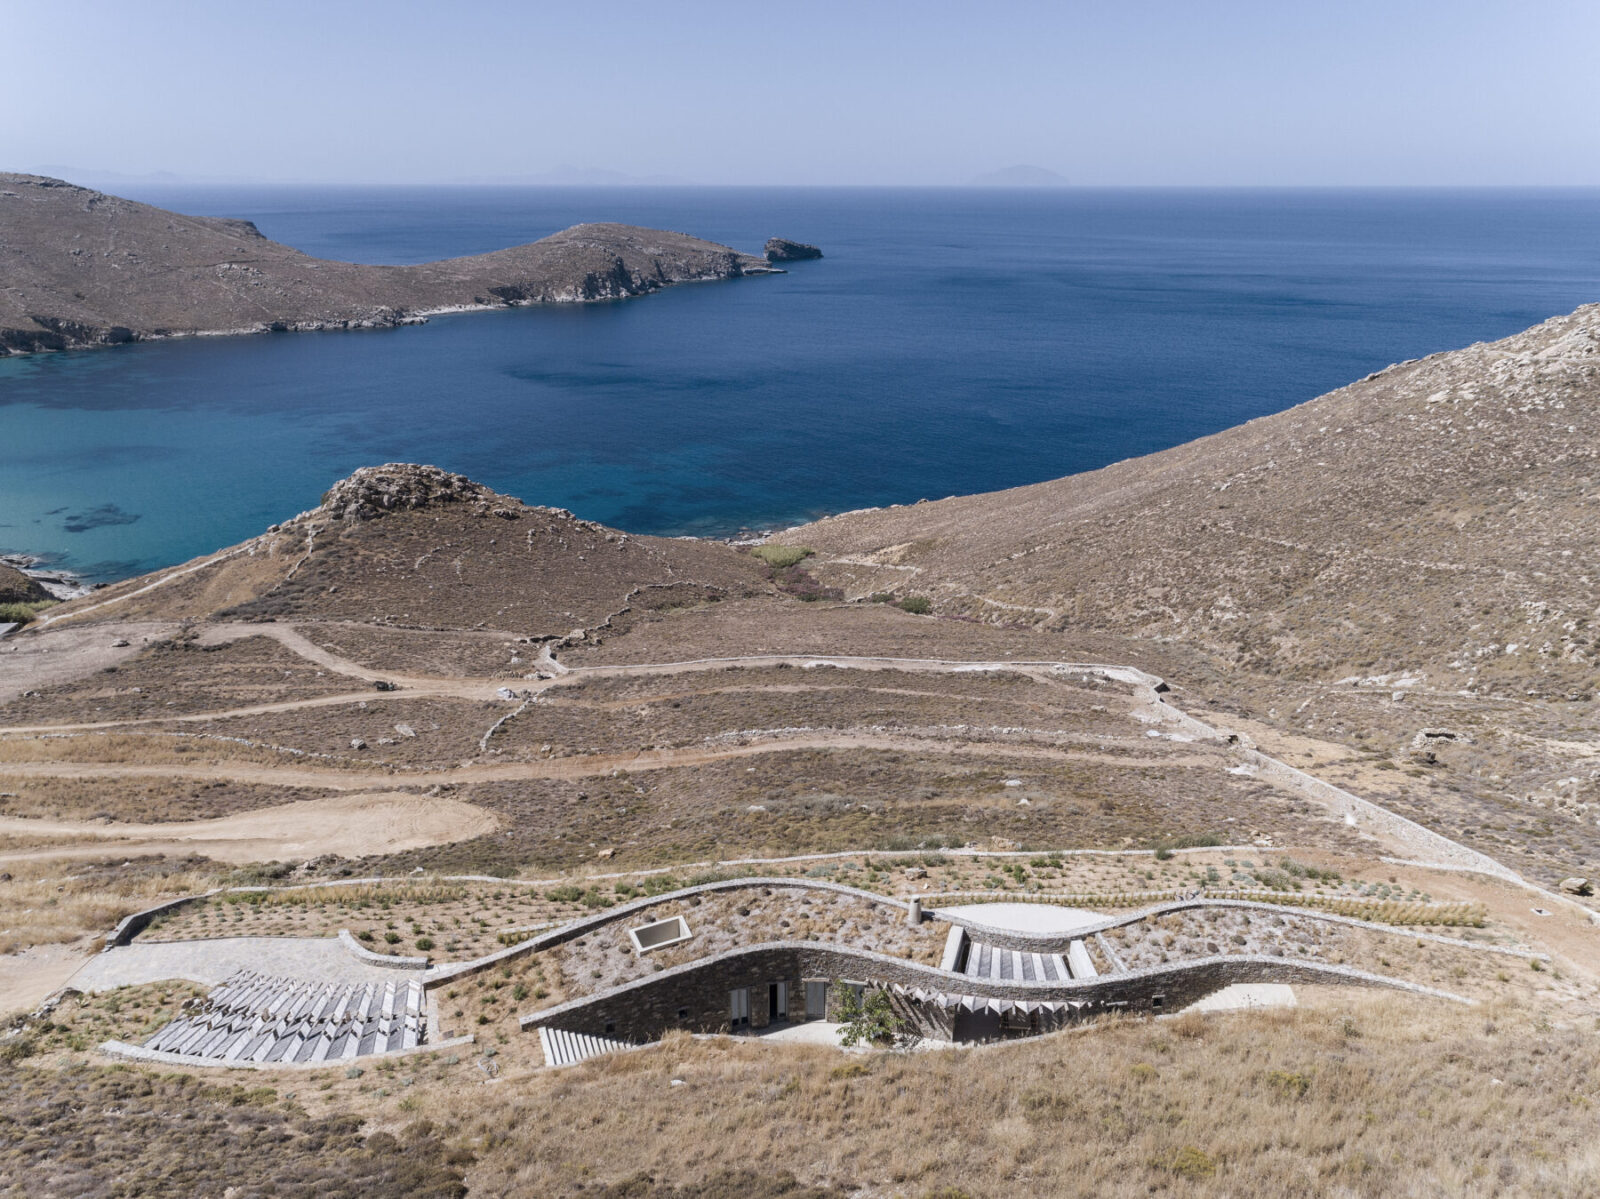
(611, 1027)
(660, 934)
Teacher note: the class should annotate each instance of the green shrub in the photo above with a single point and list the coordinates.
(1188, 1162)
(424, 943)
(868, 1018)
(1288, 1084)
(22, 613)
(780, 556)
(16, 1049)
(917, 605)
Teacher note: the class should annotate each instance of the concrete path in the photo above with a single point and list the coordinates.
(807, 1032)
(316, 959)
(1023, 917)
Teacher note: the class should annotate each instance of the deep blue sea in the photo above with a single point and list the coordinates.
(951, 341)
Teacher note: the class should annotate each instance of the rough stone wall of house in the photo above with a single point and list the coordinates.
(645, 1009)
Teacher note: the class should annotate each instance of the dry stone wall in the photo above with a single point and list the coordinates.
(695, 996)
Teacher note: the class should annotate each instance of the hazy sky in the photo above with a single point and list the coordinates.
(1108, 92)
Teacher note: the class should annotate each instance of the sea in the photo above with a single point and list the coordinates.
(950, 341)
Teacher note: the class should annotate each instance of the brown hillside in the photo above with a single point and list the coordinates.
(78, 268)
(418, 547)
(1439, 516)
(18, 588)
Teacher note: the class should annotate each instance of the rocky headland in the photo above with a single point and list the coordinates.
(81, 268)
(781, 249)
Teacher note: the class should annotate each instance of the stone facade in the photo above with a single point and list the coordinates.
(695, 996)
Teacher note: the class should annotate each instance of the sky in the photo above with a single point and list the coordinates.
(1118, 93)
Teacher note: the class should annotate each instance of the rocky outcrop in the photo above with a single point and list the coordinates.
(18, 588)
(398, 486)
(781, 249)
(85, 269)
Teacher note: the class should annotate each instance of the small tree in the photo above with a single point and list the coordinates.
(869, 1019)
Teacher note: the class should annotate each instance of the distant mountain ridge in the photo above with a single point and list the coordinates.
(82, 268)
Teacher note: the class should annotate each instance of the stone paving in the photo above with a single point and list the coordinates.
(315, 959)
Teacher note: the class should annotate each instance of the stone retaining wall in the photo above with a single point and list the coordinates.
(389, 961)
(1364, 814)
(588, 924)
(131, 926)
(138, 1053)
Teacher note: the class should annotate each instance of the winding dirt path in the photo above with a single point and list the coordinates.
(374, 822)
(574, 767)
(1146, 705)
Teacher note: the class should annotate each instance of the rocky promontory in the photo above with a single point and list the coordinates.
(82, 268)
(18, 588)
(781, 249)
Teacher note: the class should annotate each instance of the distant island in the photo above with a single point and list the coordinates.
(1021, 175)
(82, 268)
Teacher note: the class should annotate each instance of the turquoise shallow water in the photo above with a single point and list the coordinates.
(951, 341)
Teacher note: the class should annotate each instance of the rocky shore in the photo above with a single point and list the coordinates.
(28, 580)
(83, 269)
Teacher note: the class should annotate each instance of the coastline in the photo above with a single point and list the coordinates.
(61, 584)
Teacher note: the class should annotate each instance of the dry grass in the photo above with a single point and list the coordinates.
(132, 1014)
(95, 1134)
(458, 920)
(794, 801)
(176, 677)
(1356, 1094)
(725, 920)
(1359, 1097)
(42, 904)
(140, 800)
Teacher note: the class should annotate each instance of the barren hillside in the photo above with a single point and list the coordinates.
(80, 268)
(447, 553)
(1437, 518)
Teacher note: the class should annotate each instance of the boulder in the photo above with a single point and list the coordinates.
(1577, 886)
(781, 249)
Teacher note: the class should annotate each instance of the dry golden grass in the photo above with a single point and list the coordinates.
(1358, 1096)
(99, 1134)
(142, 749)
(46, 903)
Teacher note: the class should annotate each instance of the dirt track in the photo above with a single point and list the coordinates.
(347, 825)
(1145, 705)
